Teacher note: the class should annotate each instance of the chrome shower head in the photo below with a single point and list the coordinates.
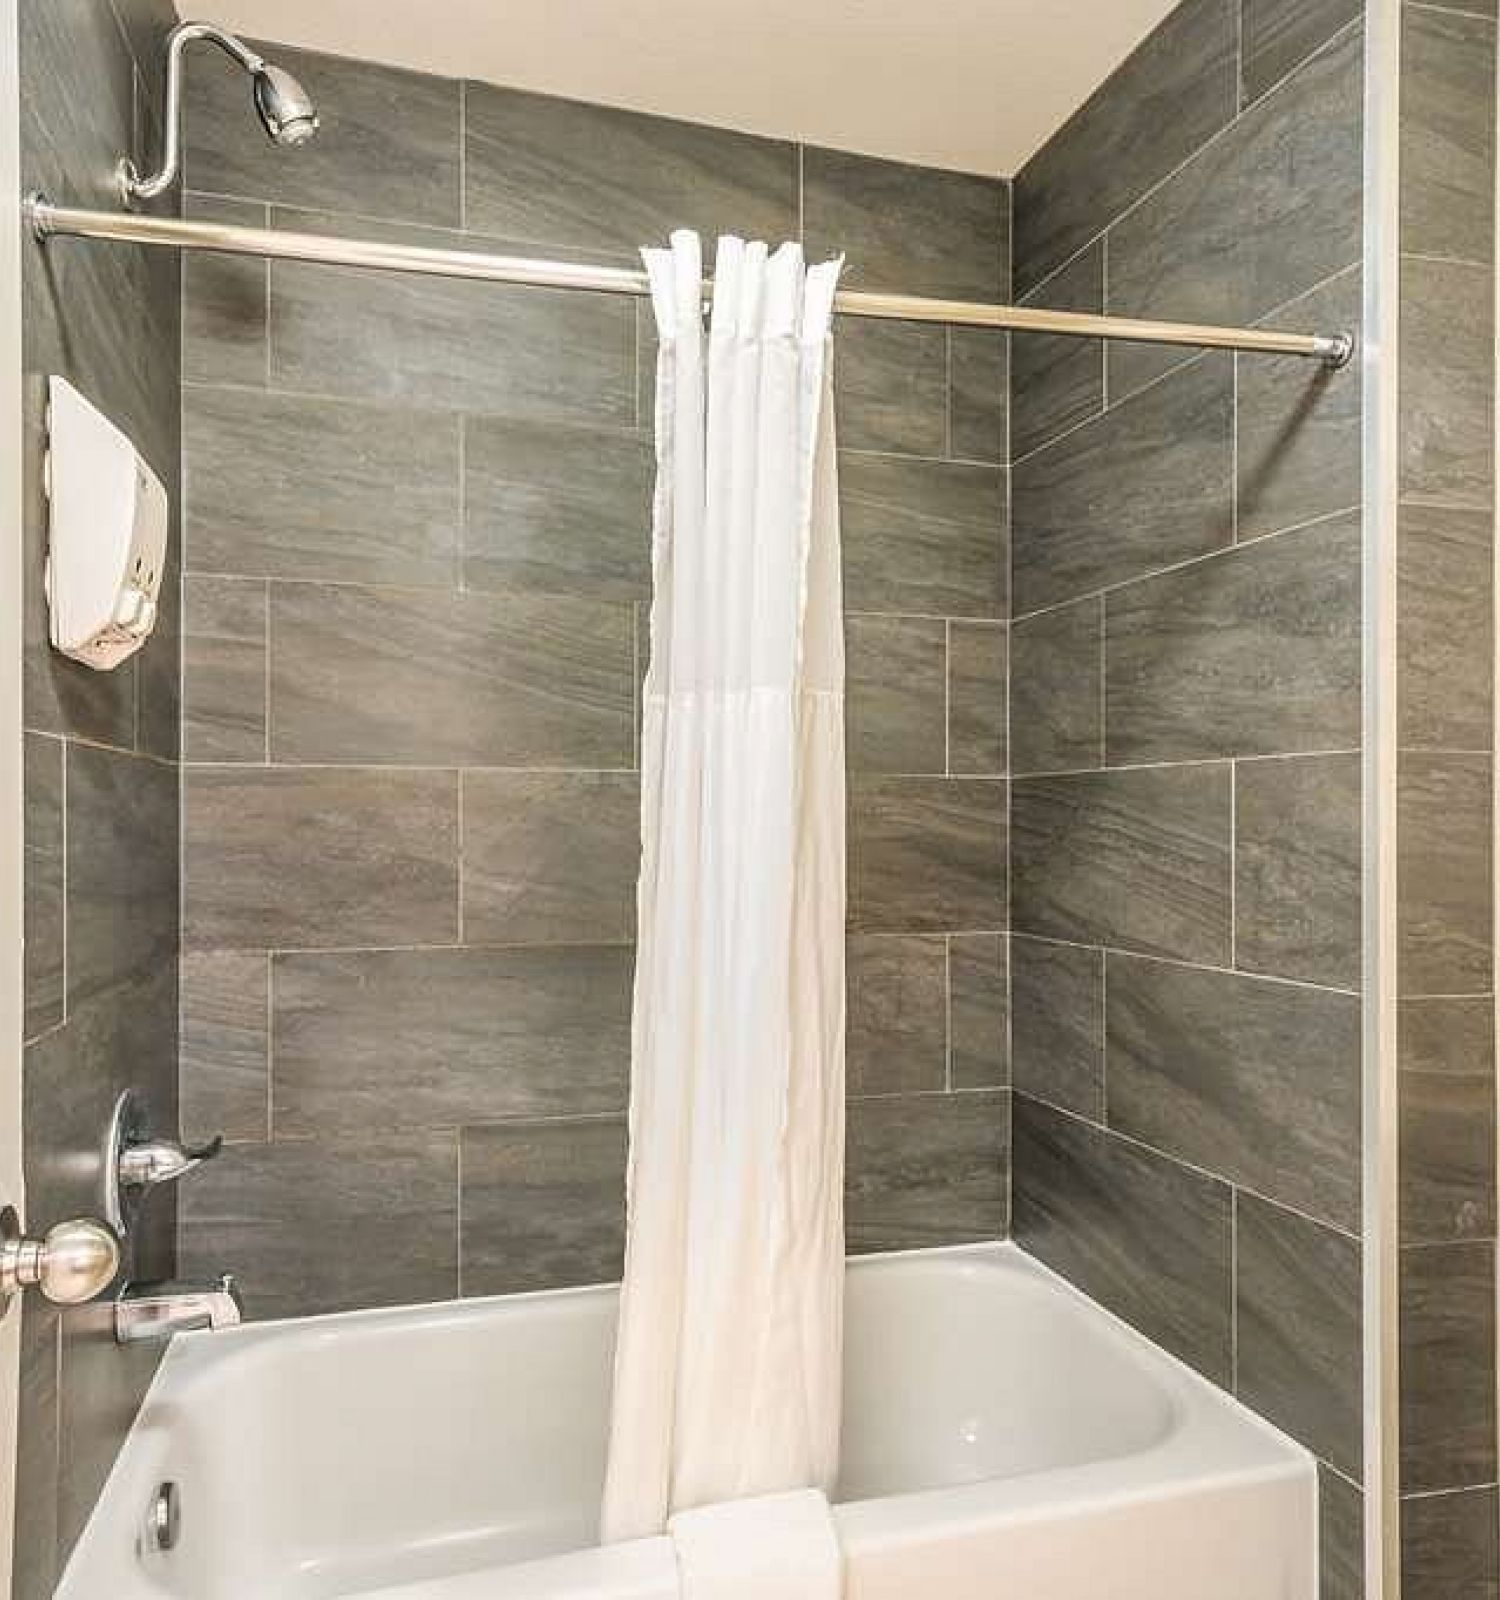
(285, 108)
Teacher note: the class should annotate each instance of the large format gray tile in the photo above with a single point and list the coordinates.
(285, 487)
(1253, 1079)
(388, 1222)
(122, 843)
(1057, 688)
(1279, 34)
(1174, 92)
(1139, 860)
(543, 1205)
(926, 1170)
(410, 676)
(1447, 133)
(923, 536)
(1446, 627)
(978, 394)
(1058, 382)
(437, 1038)
(1147, 1238)
(1447, 383)
(1057, 1024)
(891, 386)
(34, 1573)
(894, 670)
(107, 319)
(550, 857)
(224, 668)
(388, 145)
(1262, 214)
(100, 1391)
(1298, 835)
(1341, 1537)
(1447, 1144)
(1253, 652)
(978, 1011)
(1444, 852)
(317, 857)
(927, 855)
(1297, 1352)
(1299, 447)
(223, 1075)
(1450, 1545)
(559, 354)
(911, 230)
(1447, 1366)
(561, 172)
(977, 702)
(898, 1014)
(1146, 485)
(557, 510)
(43, 875)
(224, 300)
(71, 1077)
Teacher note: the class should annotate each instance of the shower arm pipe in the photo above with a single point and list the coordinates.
(49, 221)
(132, 184)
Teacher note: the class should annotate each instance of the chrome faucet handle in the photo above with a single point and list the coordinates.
(152, 1161)
(136, 1160)
(73, 1262)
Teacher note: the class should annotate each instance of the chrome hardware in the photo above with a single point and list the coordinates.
(150, 1311)
(164, 1518)
(49, 221)
(136, 1161)
(74, 1262)
(285, 108)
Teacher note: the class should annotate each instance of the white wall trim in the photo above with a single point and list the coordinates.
(1379, 1149)
(10, 739)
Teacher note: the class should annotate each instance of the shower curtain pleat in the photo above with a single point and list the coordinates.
(727, 1366)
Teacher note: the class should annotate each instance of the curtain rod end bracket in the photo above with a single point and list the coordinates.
(1337, 350)
(36, 211)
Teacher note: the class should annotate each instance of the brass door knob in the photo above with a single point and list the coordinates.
(73, 1262)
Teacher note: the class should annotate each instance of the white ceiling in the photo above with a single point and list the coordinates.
(975, 85)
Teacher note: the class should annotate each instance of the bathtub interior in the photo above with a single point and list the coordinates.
(337, 1456)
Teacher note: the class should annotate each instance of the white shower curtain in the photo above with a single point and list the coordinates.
(727, 1370)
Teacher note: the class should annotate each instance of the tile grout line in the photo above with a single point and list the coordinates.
(1124, 954)
(1234, 824)
(1107, 1130)
(270, 1047)
(1325, 519)
(1234, 1289)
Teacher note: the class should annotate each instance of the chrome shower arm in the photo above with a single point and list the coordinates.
(132, 185)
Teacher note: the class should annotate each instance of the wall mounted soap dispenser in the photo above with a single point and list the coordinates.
(107, 533)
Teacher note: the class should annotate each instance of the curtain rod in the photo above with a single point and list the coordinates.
(50, 221)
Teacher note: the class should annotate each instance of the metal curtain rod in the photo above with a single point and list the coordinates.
(48, 221)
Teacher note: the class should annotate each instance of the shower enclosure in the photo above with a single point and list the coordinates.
(1170, 781)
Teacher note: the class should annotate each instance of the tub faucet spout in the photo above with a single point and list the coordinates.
(147, 1311)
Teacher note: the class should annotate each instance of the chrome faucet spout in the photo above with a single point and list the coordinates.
(154, 1311)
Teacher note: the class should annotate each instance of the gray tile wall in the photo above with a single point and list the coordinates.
(417, 566)
(100, 760)
(1445, 643)
(1185, 721)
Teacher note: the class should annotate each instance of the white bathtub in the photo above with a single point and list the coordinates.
(1004, 1439)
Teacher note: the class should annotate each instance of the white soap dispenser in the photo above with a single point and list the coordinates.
(107, 533)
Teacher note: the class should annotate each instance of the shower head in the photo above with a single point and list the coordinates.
(285, 108)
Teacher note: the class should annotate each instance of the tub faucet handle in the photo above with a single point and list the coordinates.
(137, 1160)
(152, 1161)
